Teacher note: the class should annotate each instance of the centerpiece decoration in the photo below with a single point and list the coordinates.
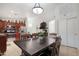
(43, 33)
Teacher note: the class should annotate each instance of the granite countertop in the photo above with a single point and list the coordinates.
(2, 34)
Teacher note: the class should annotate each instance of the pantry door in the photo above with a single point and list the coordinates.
(73, 33)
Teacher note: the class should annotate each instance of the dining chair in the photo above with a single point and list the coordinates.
(34, 35)
(52, 35)
(25, 36)
(55, 47)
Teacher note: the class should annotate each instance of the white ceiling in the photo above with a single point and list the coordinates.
(50, 10)
(25, 8)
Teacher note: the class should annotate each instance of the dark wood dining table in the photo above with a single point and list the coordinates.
(33, 47)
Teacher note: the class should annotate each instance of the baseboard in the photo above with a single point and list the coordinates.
(69, 46)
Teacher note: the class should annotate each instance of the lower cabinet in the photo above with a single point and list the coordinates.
(3, 43)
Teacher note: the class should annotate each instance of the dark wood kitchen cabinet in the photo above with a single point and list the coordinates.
(3, 43)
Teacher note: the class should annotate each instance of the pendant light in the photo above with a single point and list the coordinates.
(37, 9)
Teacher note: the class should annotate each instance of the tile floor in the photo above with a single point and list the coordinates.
(13, 50)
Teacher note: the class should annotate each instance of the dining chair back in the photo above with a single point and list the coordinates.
(55, 47)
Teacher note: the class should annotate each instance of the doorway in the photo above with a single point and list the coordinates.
(51, 27)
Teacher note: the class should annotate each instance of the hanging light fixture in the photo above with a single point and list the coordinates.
(37, 9)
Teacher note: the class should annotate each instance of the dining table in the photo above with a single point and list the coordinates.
(33, 47)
